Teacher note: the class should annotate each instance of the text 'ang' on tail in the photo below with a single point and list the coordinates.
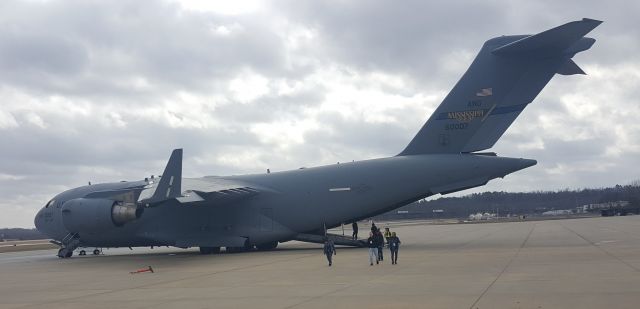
(504, 78)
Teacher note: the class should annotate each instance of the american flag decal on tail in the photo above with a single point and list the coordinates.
(484, 92)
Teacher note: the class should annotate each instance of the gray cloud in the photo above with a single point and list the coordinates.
(97, 48)
(405, 38)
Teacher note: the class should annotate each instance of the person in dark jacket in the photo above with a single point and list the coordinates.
(380, 243)
(374, 228)
(354, 226)
(394, 245)
(329, 250)
(373, 249)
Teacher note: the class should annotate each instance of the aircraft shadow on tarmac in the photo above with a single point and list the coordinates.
(191, 253)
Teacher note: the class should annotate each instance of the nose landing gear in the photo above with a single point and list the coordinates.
(64, 253)
(68, 244)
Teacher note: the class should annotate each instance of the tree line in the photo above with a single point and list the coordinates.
(516, 203)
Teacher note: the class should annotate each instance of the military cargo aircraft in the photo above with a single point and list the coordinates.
(258, 211)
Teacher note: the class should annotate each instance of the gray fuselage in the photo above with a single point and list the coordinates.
(290, 202)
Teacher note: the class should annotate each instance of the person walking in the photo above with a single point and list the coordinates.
(394, 245)
(329, 250)
(373, 249)
(387, 234)
(379, 239)
(354, 226)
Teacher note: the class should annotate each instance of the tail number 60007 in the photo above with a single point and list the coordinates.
(456, 126)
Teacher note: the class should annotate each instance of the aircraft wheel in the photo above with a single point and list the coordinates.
(267, 246)
(234, 249)
(60, 253)
(82, 252)
(247, 247)
(209, 250)
(96, 252)
(68, 254)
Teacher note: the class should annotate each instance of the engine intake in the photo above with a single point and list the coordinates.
(123, 213)
(96, 215)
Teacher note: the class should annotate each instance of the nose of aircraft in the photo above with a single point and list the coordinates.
(38, 220)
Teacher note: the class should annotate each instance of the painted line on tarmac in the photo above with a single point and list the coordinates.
(602, 249)
(505, 267)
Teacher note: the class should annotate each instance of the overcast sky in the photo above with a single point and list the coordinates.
(104, 90)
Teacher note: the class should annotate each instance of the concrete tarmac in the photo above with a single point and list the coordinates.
(25, 245)
(580, 263)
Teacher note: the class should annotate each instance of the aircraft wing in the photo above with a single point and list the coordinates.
(118, 192)
(171, 185)
(216, 190)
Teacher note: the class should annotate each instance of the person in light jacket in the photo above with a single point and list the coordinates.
(373, 249)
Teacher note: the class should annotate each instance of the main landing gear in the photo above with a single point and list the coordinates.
(246, 248)
(209, 250)
(95, 252)
(267, 246)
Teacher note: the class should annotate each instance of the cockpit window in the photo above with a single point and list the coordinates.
(51, 203)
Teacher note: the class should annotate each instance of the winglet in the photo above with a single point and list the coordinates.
(170, 185)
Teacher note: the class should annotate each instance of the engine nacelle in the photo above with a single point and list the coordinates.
(95, 215)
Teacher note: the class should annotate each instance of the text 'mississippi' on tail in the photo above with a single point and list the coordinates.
(506, 75)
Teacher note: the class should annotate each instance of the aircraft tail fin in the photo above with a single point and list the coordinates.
(170, 184)
(506, 75)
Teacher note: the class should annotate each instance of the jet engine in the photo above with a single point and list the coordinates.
(95, 215)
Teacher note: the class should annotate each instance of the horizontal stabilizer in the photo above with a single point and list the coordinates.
(553, 41)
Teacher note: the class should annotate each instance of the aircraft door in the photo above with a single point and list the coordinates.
(266, 221)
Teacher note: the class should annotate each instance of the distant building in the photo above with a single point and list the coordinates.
(559, 212)
(482, 216)
(616, 204)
